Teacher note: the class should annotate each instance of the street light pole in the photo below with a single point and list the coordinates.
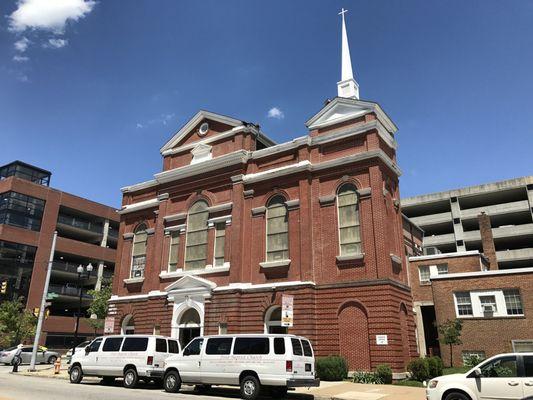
(43, 305)
(80, 271)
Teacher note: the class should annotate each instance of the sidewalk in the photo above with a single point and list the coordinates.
(358, 391)
(327, 390)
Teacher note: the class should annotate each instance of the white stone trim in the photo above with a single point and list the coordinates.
(142, 205)
(224, 218)
(174, 228)
(220, 207)
(275, 264)
(128, 281)
(187, 171)
(139, 186)
(306, 165)
(445, 255)
(480, 274)
(206, 271)
(275, 285)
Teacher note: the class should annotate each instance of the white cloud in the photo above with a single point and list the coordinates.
(22, 44)
(139, 126)
(22, 78)
(18, 58)
(276, 113)
(48, 15)
(56, 43)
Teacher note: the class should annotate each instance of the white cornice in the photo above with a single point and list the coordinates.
(445, 255)
(481, 274)
(237, 157)
(142, 205)
(139, 186)
(250, 286)
(306, 165)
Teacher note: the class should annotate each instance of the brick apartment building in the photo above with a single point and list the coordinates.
(493, 304)
(234, 222)
(30, 212)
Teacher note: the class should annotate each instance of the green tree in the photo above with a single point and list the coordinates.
(450, 334)
(99, 305)
(16, 324)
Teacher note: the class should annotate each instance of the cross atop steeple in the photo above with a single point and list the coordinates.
(347, 87)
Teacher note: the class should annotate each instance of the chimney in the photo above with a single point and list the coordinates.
(487, 241)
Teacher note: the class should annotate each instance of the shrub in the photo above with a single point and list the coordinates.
(331, 368)
(384, 372)
(366, 377)
(419, 370)
(471, 360)
(435, 366)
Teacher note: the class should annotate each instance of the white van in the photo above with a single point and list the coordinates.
(250, 361)
(133, 357)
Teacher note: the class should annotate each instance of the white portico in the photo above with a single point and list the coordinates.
(188, 296)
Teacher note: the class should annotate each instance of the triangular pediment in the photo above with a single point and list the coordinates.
(191, 282)
(192, 124)
(339, 110)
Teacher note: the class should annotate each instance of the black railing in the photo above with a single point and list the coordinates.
(80, 223)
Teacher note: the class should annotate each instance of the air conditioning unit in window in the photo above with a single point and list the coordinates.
(488, 308)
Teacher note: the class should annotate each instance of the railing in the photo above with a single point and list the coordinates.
(80, 223)
(67, 290)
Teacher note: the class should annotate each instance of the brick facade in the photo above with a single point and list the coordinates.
(335, 298)
(491, 335)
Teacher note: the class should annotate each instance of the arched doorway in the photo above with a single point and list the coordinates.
(128, 325)
(354, 340)
(273, 321)
(189, 326)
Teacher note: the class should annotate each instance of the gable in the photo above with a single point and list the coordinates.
(343, 109)
(191, 128)
(191, 282)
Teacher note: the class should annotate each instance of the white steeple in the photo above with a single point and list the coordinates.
(347, 87)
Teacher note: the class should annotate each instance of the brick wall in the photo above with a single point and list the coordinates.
(491, 335)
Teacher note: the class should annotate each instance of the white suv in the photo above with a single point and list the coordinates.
(250, 361)
(505, 376)
(133, 357)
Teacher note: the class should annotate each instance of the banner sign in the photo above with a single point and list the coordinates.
(109, 324)
(287, 303)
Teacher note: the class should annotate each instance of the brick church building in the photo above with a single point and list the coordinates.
(235, 222)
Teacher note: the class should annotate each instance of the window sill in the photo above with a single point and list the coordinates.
(204, 271)
(467, 317)
(269, 265)
(350, 260)
(131, 281)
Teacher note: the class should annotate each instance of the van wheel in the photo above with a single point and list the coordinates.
(76, 375)
(279, 392)
(250, 387)
(456, 396)
(172, 382)
(130, 378)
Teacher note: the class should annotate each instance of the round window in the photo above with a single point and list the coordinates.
(203, 129)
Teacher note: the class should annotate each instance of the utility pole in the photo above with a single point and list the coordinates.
(43, 304)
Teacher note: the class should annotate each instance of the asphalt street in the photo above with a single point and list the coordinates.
(19, 387)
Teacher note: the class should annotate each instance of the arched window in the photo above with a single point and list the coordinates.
(138, 259)
(273, 321)
(348, 214)
(196, 244)
(277, 230)
(128, 325)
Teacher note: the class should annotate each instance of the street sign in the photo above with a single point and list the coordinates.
(109, 324)
(287, 304)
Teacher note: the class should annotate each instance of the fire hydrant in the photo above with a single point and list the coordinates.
(57, 366)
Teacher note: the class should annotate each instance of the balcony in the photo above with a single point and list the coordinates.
(513, 231)
(499, 209)
(515, 255)
(437, 240)
(432, 219)
(80, 223)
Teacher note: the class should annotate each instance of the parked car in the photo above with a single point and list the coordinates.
(505, 376)
(133, 357)
(43, 355)
(80, 347)
(276, 362)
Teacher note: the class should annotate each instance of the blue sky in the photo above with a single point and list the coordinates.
(92, 90)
